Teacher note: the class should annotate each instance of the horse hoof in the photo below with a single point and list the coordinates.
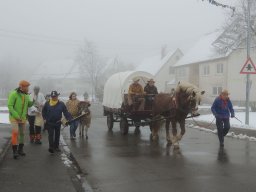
(169, 144)
(176, 146)
(174, 139)
(179, 137)
(155, 138)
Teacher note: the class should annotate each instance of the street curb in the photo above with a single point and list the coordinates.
(5, 149)
(85, 185)
(248, 132)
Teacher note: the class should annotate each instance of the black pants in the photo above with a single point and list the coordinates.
(223, 127)
(53, 135)
(31, 121)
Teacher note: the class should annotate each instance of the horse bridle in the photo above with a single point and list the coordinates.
(190, 109)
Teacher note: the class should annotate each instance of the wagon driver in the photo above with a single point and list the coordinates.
(135, 89)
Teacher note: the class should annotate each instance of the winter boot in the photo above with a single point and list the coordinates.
(38, 139)
(32, 138)
(20, 150)
(15, 151)
(38, 142)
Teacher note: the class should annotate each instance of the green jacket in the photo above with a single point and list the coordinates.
(18, 103)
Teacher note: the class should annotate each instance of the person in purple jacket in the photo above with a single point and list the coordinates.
(222, 109)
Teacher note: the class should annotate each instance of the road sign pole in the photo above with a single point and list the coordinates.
(248, 56)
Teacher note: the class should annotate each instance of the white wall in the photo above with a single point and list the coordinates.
(164, 76)
(236, 82)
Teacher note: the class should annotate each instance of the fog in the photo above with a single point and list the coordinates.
(33, 31)
(36, 31)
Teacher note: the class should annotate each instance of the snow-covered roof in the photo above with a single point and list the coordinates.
(203, 50)
(57, 70)
(154, 64)
(118, 84)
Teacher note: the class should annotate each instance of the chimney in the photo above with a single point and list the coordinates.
(163, 51)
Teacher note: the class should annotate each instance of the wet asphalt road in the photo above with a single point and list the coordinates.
(132, 163)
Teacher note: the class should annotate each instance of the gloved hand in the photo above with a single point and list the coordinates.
(232, 115)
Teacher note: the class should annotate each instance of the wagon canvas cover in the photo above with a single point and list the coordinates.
(118, 85)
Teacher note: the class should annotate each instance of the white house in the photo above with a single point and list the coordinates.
(213, 71)
(161, 66)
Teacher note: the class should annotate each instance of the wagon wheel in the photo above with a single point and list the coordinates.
(124, 127)
(110, 121)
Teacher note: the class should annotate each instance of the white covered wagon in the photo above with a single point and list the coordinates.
(115, 101)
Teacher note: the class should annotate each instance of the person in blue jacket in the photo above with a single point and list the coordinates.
(222, 109)
(52, 115)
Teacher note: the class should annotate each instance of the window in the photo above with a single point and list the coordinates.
(219, 68)
(206, 70)
(181, 72)
(216, 90)
(171, 71)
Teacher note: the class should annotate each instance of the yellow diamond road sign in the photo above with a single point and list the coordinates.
(248, 68)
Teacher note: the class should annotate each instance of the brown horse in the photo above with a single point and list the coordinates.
(175, 109)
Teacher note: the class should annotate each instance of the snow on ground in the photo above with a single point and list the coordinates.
(4, 115)
(233, 121)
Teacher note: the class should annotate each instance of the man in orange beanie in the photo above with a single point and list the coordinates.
(18, 103)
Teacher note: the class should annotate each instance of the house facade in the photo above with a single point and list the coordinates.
(213, 72)
(162, 68)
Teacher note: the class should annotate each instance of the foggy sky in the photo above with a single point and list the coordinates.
(43, 30)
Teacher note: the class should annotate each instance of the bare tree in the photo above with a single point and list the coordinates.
(235, 28)
(116, 65)
(90, 63)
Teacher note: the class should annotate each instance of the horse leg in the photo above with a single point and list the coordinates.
(182, 127)
(80, 129)
(83, 130)
(167, 126)
(86, 131)
(154, 131)
(174, 134)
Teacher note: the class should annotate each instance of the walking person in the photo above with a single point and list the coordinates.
(222, 109)
(47, 98)
(52, 114)
(18, 103)
(72, 107)
(35, 118)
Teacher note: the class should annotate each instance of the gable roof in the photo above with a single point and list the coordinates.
(203, 50)
(57, 70)
(153, 64)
